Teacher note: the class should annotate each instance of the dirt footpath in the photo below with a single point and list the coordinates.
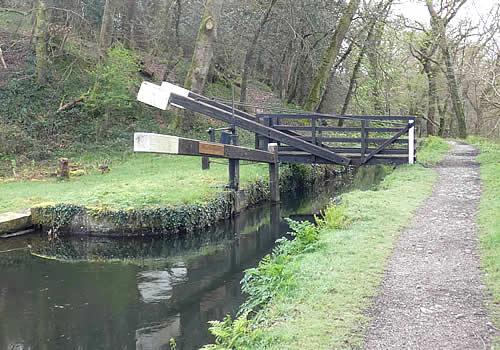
(432, 296)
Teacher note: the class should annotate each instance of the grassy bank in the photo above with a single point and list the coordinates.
(138, 182)
(433, 150)
(315, 297)
(489, 219)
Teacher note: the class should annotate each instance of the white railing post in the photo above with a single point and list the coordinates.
(411, 142)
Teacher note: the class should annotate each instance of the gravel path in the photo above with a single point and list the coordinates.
(432, 296)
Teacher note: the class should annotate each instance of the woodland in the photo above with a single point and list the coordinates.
(70, 70)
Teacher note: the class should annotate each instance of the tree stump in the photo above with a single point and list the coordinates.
(64, 168)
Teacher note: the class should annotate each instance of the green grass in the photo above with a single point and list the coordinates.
(139, 181)
(432, 150)
(489, 219)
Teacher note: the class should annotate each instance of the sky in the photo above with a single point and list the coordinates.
(416, 10)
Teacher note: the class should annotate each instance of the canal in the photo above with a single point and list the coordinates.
(97, 293)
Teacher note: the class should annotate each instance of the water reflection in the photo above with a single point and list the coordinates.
(156, 286)
(154, 290)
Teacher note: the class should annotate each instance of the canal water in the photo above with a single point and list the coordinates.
(96, 293)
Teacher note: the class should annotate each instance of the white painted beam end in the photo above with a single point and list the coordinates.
(155, 143)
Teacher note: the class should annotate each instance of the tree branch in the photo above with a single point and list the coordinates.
(70, 105)
(19, 12)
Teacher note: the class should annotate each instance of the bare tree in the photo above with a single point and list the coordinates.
(439, 26)
(106, 33)
(41, 35)
(203, 54)
(247, 65)
(372, 27)
(328, 61)
(424, 54)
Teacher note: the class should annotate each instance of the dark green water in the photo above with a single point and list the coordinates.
(138, 294)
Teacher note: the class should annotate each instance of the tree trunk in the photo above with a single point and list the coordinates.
(431, 72)
(456, 99)
(178, 13)
(164, 21)
(442, 118)
(129, 23)
(324, 73)
(372, 29)
(202, 56)
(354, 76)
(204, 47)
(374, 44)
(247, 65)
(352, 84)
(41, 35)
(106, 33)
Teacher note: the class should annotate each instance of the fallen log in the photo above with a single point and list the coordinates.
(70, 105)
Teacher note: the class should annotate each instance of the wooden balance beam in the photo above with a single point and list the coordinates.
(165, 144)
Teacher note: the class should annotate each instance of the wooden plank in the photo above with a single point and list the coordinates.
(164, 144)
(364, 138)
(230, 109)
(336, 117)
(234, 174)
(189, 147)
(279, 136)
(314, 137)
(352, 140)
(212, 149)
(305, 158)
(274, 175)
(335, 129)
(243, 153)
(349, 150)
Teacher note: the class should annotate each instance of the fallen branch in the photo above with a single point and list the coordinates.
(431, 121)
(70, 105)
(2, 59)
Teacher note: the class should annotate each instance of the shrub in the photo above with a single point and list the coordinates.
(235, 334)
(334, 217)
(13, 140)
(112, 90)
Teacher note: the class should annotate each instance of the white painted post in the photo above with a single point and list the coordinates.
(411, 142)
